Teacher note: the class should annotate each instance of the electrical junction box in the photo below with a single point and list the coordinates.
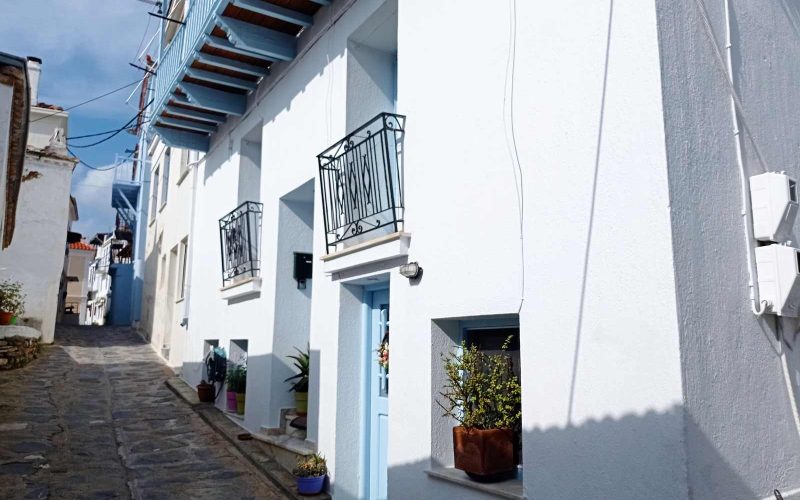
(778, 268)
(773, 197)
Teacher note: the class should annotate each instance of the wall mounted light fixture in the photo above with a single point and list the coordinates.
(412, 270)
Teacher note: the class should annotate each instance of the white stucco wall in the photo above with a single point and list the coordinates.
(741, 437)
(162, 308)
(36, 254)
(78, 266)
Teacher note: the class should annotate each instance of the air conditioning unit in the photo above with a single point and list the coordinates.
(773, 197)
(778, 269)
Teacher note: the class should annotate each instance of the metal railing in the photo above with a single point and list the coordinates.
(175, 56)
(240, 242)
(361, 180)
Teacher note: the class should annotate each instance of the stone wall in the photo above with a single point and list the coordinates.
(16, 352)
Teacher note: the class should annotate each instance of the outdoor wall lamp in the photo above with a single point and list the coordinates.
(411, 270)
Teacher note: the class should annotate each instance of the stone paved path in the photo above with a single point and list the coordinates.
(92, 419)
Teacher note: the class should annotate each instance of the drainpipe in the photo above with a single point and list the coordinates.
(757, 306)
(187, 293)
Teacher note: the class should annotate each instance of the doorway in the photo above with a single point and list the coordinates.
(378, 391)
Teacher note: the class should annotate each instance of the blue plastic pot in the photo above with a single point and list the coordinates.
(310, 485)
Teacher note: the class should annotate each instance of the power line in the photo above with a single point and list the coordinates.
(132, 127)
(115, 132)
(87, 101)
(81, 162)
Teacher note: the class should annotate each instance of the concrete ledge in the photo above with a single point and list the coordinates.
(511, 488)
(19, 331)
(254, 451)
(380, 249)
(244, 288)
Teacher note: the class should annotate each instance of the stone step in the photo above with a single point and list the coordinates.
(285, 449)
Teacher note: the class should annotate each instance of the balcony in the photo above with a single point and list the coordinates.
(362, 183)
(240, 243)
(125, 192)
(217, 58)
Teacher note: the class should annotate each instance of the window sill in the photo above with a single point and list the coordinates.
(383, 248)
(241, 289)
(511, 488)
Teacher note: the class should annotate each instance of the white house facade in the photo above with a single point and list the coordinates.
(573, 176)
(79, 259)
(35, 257)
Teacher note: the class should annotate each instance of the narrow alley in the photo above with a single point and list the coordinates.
(92, 418)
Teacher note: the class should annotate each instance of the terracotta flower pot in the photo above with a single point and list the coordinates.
(301, 402)
(484, 454)
(230, 402)
(240, 403)
(205, 392)
(5, 318)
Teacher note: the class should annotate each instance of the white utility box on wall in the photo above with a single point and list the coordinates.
(778, 269)
(774, 199)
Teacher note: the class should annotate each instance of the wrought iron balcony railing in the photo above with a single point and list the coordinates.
(240, 242)
(362, 182)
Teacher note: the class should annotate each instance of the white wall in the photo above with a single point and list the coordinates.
(741, 437)
(78, 266)
(36, 254)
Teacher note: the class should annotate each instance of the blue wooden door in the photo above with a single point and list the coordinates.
(379, 396)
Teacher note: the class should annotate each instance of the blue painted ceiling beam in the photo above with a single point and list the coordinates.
(183, 139)
(223, 44)
(230, 81)
(321, 2)
(276, 11)
(261, 40)
(232, 64)
(187, 125)
(214, 100)
(191, 113)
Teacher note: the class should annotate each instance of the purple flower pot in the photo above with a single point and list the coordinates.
(310, 485)
(231, 401)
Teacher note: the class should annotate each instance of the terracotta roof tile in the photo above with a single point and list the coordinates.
(81, 246)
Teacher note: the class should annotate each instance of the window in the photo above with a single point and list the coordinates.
(182, 251)
(165, 177)
(154, 194)
(184, 164)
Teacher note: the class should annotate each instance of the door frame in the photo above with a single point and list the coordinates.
(366, 378)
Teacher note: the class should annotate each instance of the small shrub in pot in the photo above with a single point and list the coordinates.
(310, 473)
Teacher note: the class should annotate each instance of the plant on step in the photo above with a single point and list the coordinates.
(12, 300)
(310, 474)
(299, 380)
(237, 378)
(301, 363)
(311, 466)
(483, 394)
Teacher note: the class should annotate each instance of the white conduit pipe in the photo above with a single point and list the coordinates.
(758, 307)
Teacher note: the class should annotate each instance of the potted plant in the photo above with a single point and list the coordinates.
(300, 380)
(12, 301)
(483, 394)
(233, 379)
(310, 473)
(240, 386)
(205, 392)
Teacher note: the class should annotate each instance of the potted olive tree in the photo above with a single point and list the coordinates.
(299, 380)
(12, 301)
(310, 473)
(483, 394)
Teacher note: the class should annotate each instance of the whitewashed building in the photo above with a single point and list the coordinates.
(80, 256)
(35, 257)
(573, 174)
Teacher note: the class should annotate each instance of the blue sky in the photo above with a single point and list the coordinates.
(85, 46)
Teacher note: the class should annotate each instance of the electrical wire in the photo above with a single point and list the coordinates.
(132, 127)
(101, 169)
(87, 101)
(511, 138)
(114, 133)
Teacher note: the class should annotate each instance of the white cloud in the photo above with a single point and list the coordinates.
(88, 43)
(93, 193)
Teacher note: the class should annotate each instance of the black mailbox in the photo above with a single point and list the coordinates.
(303, 264)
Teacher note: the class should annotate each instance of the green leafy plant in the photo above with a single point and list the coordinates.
(237, 378)
(301, 363)
(482, 391)
(311, 466)
(12, 300)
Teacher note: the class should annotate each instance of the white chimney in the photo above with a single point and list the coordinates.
(34, 71)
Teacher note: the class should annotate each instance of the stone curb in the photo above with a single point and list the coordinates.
(252, 450)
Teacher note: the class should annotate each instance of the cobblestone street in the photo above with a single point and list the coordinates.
(92, 418)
